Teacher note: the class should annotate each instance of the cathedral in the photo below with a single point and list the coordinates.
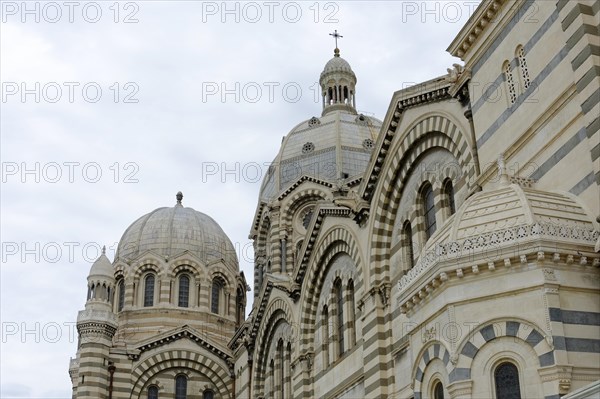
(449, 250)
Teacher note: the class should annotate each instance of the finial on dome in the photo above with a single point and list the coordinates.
(104, 250)
(179, 197)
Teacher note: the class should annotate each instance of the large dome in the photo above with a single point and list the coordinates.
(169, 232)
(336, 146)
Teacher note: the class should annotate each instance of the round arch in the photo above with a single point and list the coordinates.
(336, 241)
(183, 359)
(517, 329)
(278, 312)
(429, 132)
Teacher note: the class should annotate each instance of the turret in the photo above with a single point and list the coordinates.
(91, 370)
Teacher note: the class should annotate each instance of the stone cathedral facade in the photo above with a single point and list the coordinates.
(449, 250)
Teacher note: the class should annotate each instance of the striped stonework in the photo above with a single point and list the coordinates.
(579, 21)
(434, 350)
(517, 329)
(434, 131)
(335, 242)
(276, 324)
(299, 199)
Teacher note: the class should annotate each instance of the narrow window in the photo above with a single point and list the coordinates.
(510, 83)
(149, 290)
(449, 192)
(208, 394)
(438, 391)
(506, 377)
(121, 302)
(217, 287)
(240, 306)
(407, 236)
(523, 66)
(281, 369)
(351, 315)
(340, 315)
(428, 210)
(184, 291)
(181, 387)
(153, 392)
(325, 323)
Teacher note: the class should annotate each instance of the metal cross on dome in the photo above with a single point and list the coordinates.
(336, 36)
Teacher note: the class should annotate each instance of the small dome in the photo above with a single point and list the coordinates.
(493, 221)
(102, 267)
(509, 213)
(169, 232)
(337, 64)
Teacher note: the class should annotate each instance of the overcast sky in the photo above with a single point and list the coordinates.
(108, 109)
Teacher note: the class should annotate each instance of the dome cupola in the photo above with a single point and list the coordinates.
(334, 148)
(338, 85)
(101, 284)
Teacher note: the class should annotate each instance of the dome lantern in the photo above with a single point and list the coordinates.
(101, 283)
(338, 83)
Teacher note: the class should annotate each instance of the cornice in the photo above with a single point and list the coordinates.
(483, 16)
(177, 334)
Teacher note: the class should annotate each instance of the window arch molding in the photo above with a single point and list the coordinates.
(141, 271)
(507, 349)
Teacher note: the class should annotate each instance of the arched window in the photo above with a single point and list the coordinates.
(438, 390)
(152, 392)
(339, 298)
(149, 290)
(121, 293)
(407, 237)
(208, 394)
(217, 288)
(510, 83)
(428, 209)
(523, 67)
(449, 193)
(184, 291)
(351, 314)
(281, 369)
(506, 377)
(181, 387)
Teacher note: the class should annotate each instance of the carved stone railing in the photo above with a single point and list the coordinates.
(485, 243)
